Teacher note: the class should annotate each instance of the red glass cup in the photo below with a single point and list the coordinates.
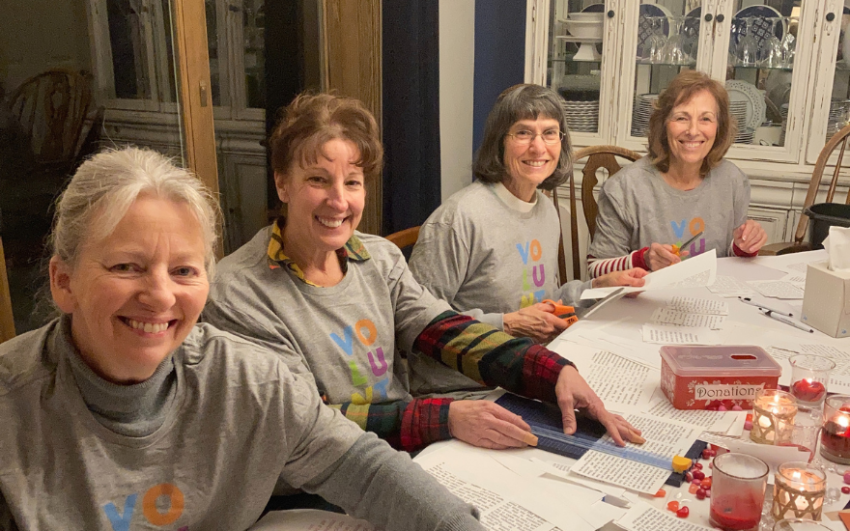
(737, 491)
(810, 379)
(835, 435)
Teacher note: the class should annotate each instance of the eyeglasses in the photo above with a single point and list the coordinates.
(551, 136)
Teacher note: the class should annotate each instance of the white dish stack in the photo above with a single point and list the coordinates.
(739, 113)
(582, 116)
(641, 112)
(837, 116)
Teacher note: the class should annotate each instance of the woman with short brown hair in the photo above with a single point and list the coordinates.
(682, 188)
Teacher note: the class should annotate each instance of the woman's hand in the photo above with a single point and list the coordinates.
(489, 425)
(659, 256)
(630, 277)
(749, 237)
(574, 393)
(536, 322)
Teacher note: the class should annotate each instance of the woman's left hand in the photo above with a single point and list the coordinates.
(630, 277)
(749, 237)
(574, 393)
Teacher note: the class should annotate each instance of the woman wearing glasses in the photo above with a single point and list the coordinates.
(491, 250)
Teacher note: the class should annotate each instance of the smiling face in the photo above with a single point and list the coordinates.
(530, 164)
(692, 129)
(135, 295)
(324, 201)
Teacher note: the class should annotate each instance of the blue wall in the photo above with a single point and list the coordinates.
(499, 55)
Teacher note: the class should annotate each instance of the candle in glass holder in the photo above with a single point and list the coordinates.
(798, 491)
(737, 492)
(835, 435)
(810, 379)
(773, 416)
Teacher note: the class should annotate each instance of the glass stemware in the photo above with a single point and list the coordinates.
(789, 43)
(772, 55)
(747, 52)
(657, 40)
(674, 50)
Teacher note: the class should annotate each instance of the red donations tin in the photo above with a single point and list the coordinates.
(706, 377)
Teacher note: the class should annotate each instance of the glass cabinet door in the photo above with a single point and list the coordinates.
(831, 107)
(665, 38)
(578, 35)
(761, 75)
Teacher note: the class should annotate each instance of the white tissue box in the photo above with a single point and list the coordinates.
(826, 303)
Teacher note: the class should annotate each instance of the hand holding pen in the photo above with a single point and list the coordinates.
(660, 255)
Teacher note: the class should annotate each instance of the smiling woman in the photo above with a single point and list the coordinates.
(124, 412)
(682, 188)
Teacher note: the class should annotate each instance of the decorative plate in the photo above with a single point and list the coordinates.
(690, 32)
(762, 23)
(747, 92)
(645, 26)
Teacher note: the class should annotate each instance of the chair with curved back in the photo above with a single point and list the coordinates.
(597, 157)
(51, 108)
(405, 238)
(798, 245)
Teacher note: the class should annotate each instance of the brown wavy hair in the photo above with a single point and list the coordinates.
(680, 90)
(521, 102)
(311, 120)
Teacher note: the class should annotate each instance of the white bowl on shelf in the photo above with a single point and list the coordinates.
(588, 29)
(597, 17)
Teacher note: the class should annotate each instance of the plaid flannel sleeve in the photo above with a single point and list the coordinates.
(406, 426)
(492, 357)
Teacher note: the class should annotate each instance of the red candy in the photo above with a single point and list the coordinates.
(698, 474)
(808, 390)
(660, 494)
(693, 488)
(673, 506)
(698, 466)
(700, 494)
(696, 482)
(689, 477)
(683, 512)
(706, 483)
(845, 489)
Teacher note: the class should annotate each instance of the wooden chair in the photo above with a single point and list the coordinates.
(798, 245)
(51, 108)
(597, 157)
(405, 238)
(7, 323)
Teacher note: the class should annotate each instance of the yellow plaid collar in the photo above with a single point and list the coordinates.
(352, 250)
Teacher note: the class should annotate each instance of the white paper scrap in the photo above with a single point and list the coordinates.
(678, 335)
(699, 305)
(727, 286)
(683, 318)
(621, 472)
(697, 272)
(711, 421)
(645, 517)
(778, 289)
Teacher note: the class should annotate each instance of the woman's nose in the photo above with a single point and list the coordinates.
(157, 293)
(336, 194)
(538, 143)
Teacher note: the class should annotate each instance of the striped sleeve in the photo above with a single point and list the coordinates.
(406, 426)
(492, 357)
(596, 267)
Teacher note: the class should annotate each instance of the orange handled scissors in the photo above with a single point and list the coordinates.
(678, 248)
(567, 313)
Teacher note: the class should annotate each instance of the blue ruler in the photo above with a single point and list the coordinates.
(545, 422)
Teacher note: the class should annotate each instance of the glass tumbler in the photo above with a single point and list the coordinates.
(737, 491)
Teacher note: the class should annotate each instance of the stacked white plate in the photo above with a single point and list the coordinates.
(837, 116)
(745, 136)
(641, 112)
(582, 116)
(738, 109)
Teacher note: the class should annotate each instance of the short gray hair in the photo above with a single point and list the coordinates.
(521, 102)
(105, 187)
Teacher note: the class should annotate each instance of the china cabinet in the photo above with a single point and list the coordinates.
(783, 63)
(134, 75)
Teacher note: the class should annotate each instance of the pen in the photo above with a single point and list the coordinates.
(782, 319)
(751, 302)
(677, 248)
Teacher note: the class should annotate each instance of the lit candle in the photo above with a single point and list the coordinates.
(773, 416)
(798, 491)
(835, 438)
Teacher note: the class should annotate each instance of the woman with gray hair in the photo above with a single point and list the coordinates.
(491, 250)
(124, 413)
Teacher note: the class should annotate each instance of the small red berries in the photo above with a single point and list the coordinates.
(683, 512)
